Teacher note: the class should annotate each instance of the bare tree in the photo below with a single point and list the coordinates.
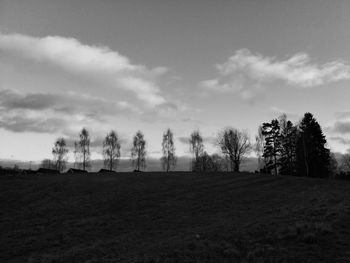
(138, 151)
(84, 148)
(196, 147)
(234, 144)
(59, 152)
(111, 150)
(168, 148)
(259, 147)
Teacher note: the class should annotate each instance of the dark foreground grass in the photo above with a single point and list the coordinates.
(175, 217)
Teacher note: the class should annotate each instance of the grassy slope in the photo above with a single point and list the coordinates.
(178, 217)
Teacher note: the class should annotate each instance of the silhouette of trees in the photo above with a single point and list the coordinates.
(273, 148)
(60, 152)
(289, 137)
(196, 148)
(47, 164)
(83, 149)
(138, 151)
(259, 147)
(209, 163)
(168, 148)
(313, 158)
(297, 150)
(111, 150)
(236, 145)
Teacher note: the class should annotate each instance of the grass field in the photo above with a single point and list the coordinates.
(175, 217)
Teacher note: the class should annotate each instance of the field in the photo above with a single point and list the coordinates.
(175, 217)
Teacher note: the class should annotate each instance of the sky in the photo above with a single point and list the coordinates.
(158, 64)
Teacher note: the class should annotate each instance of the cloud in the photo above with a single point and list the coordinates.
(340, 139)
(341, 127)
(184, 140)
(97, 62)
(245, 72)
(342, 114)
(207, 139)
(56, 112)
(276, 112)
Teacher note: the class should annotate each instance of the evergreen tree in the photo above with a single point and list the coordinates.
(313, 158)
(288, 147)
(272, 149)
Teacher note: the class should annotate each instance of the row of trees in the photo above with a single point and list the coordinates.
(111, 152)
(233, 143)
(281, 146)
(288, 149)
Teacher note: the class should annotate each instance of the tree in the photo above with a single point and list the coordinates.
(209, 163)
(138, 151)
(236, 145)
(76, 155)
(259, 147)
(289, 137)
(333, 165)
(60, 152)
(84, 148)
(313, 158)
(111, 150)
(272, 149)
(196, 147)
(47, 164)
(168, 148)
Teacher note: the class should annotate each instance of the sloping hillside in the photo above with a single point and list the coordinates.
(175, 217)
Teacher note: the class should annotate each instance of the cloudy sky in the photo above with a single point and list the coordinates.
(150, 65)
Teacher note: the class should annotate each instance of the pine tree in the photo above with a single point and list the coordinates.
(272, 149)
(288, 150)
(313, 158)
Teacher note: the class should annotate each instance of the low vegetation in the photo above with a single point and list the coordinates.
(173, 217)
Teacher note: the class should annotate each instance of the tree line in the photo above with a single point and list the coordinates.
(293, 149)
(281, 146)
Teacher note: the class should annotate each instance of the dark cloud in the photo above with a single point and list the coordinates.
(55, 112)
(63, 102)
(341, 127)
(206, 139)
(14, 100)
(184, 140)
(96, 144)
(340, 139)
(18, 123)
(210, 139)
